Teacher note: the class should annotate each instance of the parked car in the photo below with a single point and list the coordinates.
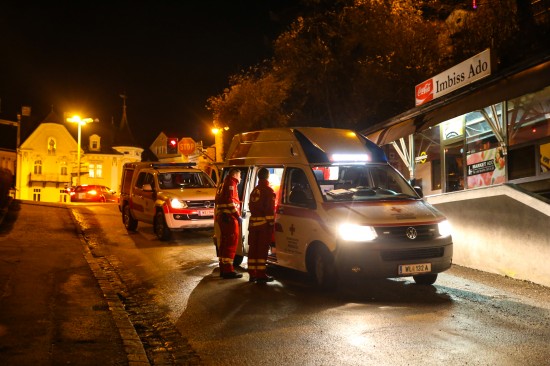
(93, 193)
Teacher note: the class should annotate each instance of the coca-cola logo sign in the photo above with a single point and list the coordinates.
(424, 92)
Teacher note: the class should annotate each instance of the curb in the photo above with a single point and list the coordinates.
(133, 347)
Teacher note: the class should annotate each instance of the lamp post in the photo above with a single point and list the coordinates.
(80, 122)
(218, 141)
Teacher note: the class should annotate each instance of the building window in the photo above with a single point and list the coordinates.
(545, 158)
(95, 143)
(529, 117)
(427, 158)
(63, 170)
(36, 194)
(436, 174)
(96, 170)
(521, 162)
(38, 167)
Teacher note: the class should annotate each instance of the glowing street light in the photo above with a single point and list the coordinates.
(218, 140)
(80, 122)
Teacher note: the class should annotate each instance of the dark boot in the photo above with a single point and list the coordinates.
(230, 275)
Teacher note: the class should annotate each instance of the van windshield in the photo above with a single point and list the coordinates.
(362, 183)
(178, 180)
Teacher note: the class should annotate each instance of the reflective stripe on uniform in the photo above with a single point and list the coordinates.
(261, 264)
(228, 208)
(251, 264)
(260, 220)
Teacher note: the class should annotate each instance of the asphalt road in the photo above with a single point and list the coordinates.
(186, 314)
(52, 309)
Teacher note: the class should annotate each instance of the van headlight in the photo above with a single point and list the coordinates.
(175, 203)
(444, 228)
(353, 232)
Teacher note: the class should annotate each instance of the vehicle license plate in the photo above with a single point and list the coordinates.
(415, 268)
(206, 212)
(81, 195)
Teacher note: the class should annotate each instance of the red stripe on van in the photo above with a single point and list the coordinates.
(293, 211)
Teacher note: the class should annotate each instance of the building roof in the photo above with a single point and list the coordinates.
(123, 135)
(111, 135)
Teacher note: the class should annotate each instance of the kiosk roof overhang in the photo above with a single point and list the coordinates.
(509, 84)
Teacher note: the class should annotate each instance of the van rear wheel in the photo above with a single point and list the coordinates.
(323, 269)
(427, 279)
(129, 222)
(162, 231)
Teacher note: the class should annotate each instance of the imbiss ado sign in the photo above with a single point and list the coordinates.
(465, 73)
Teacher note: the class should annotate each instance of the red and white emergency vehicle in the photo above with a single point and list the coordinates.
(341, 209)
(171, 196)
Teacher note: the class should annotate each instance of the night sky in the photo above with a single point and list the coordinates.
(168, 57)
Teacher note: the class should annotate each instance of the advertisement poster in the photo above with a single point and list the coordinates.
(486, 168)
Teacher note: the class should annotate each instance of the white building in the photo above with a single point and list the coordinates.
(47, 158)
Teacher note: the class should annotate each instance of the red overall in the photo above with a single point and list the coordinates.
(228, 211)
(260, 228)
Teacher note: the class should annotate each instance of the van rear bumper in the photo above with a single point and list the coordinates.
(382, 259)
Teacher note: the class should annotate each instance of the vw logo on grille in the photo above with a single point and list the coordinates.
(207, 204)
(411, 233)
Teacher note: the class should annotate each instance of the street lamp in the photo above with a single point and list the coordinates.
(80, 122)
(218, 141)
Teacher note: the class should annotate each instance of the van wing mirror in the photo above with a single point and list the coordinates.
(419, 191)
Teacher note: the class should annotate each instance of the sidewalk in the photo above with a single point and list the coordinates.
(56, 304)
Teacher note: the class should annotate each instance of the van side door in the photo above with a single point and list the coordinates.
(142, 199)
(250, 182)
(294, 219)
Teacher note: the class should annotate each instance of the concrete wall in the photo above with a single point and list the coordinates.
(500, 230)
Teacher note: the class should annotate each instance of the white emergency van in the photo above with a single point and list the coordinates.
(341, 209)
(171, 196)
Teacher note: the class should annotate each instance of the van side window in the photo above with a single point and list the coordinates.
(150, 179)
(297, 189)
(382, 179)
(145, 178)
(140, 180)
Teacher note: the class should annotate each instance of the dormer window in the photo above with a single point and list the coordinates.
(52, 146)
(95, 144)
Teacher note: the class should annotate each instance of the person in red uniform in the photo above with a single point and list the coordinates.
(260, 228)
(228, 216)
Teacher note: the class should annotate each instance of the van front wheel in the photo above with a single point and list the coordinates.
(129, 222)
(427, 279)
(323, 269)
(161, 229)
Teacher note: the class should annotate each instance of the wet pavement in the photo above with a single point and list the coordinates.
(57, 303)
